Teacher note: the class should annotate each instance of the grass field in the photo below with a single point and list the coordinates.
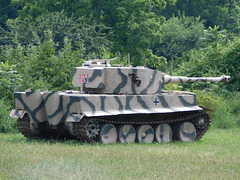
(215, 156)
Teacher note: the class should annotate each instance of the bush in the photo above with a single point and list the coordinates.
(226, 112)
(7, 124)
(10, 81)
(218, 58)
(234, 104)
(209, 99)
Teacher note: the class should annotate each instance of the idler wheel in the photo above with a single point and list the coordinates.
(163, 133)
(186, 132)
(126, 134)
(145, 134)
(202, 122)
(108, 134)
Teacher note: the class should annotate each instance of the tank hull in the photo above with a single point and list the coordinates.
(60, 107)
(71, 112)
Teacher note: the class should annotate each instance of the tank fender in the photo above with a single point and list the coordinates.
(75, 117)
(206, 109)
(17, 113)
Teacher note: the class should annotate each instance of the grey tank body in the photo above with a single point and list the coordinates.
(115, 104)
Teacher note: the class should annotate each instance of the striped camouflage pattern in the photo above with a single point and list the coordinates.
(107, 91)
(120, 80)
(58, 107)
(116, 80)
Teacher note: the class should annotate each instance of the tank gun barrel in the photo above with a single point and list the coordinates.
(184, 79)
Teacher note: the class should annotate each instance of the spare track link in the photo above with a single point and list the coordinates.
(23, 125)
(81, 133)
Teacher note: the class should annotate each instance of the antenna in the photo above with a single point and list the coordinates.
(128, 59)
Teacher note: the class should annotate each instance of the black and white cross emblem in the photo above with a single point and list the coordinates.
(156, 102)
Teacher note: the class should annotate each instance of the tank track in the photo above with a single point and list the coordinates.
(81, 133)
(23, 125)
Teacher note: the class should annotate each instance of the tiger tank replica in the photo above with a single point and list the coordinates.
(115, 104)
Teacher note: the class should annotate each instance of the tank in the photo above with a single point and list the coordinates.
(115, 104)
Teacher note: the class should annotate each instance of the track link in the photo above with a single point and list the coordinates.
(81, 132)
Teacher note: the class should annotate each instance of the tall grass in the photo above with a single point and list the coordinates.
(216, 156)
(227, 115)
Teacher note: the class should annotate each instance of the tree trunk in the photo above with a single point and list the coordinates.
(100, 10)
(171, 67)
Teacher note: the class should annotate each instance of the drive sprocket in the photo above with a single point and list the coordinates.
(86, 130)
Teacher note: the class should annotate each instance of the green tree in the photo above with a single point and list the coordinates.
(42, 67)
(179, 34)
(135, 26)
(30, 31)
(218, 58)
(35, 8)
(8, 10)
(221, 13)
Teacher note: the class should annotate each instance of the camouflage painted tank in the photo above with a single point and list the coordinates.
(115, 104)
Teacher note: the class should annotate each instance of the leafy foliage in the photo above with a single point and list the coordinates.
(10, 81)
(42, 67)
(7, 124)
(179, 34)
(133, 24)
(218, 58)
(29, 31)
(35, 8)
(135, 27)
(8, 11)
(225, 14)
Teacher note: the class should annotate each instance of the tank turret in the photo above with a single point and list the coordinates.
(97, 76)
